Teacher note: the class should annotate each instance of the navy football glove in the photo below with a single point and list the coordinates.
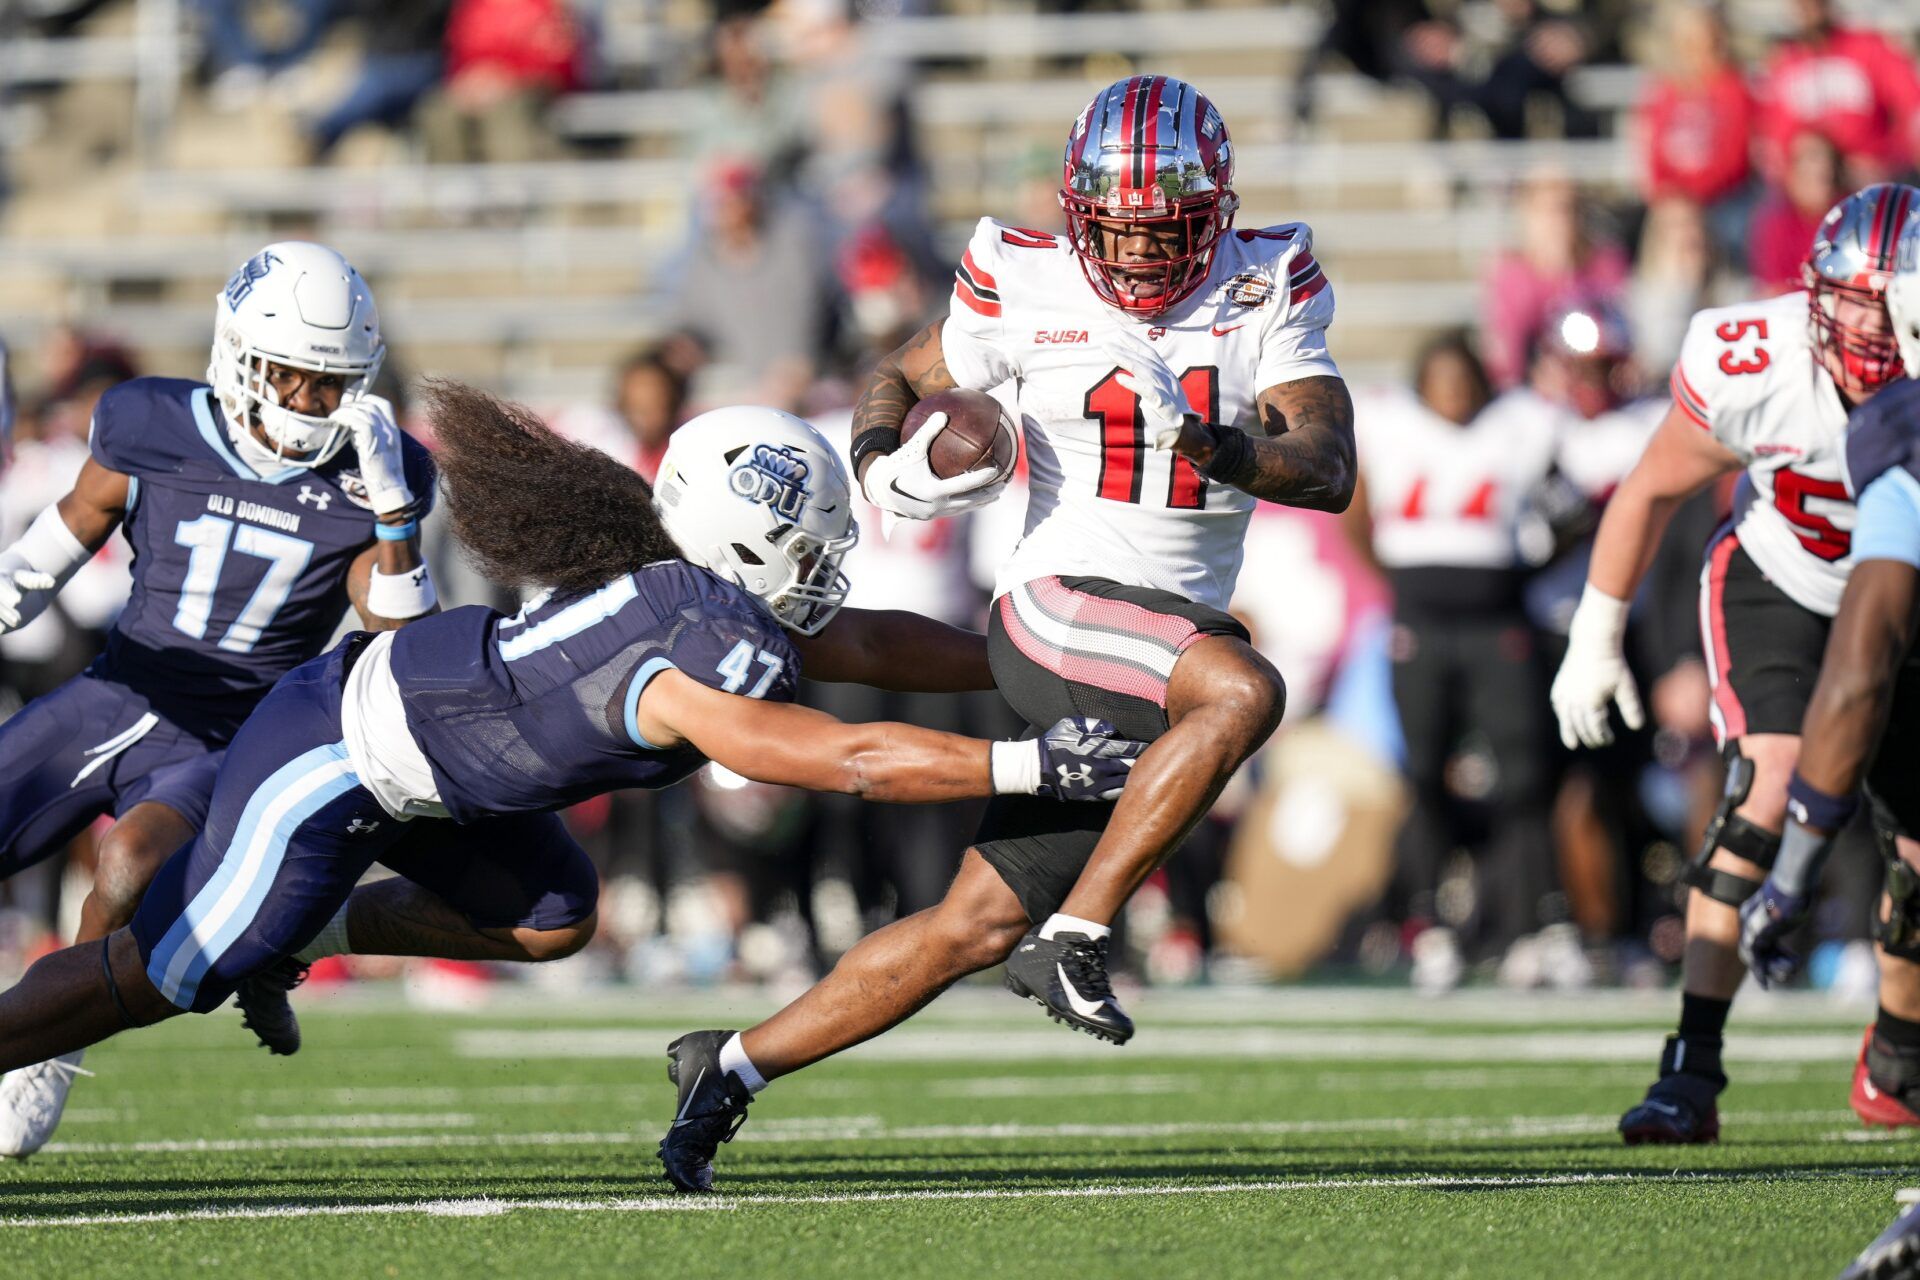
(1766, 919)
(1082, 758)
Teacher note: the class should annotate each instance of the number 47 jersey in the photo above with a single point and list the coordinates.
(238, 576)
(1750, 375)
(1105, 503)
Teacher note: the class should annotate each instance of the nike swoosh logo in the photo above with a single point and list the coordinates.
(1664, 1108)
(682, 1117)
(1873, 1094)
(1079, 1004)
(1218, 332)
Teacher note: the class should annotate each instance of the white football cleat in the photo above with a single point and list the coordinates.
(31, 1100)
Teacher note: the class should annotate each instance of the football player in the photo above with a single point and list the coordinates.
(258, 504)
(665, 637)
(1861, 728)
(1171, 372)
(1763, 389)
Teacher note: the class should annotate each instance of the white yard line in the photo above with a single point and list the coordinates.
(371, 1120)
(866, 1128)
(910, 1044)
(486, 1207)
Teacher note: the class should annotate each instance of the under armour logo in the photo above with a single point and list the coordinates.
(1074, 775)
(418, 576)
(360, 827)
(318, 499)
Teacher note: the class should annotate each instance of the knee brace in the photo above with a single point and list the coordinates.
(1899, 934)
(1729, 831)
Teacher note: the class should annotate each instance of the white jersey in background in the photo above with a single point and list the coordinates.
(1104, 502)
(1749, 374)
(1439, 493)
(1597, 453)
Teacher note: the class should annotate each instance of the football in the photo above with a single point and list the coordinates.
(977, 429)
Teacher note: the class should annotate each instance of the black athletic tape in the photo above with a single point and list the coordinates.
(1743, 840)
(113, 986)
(873, 440)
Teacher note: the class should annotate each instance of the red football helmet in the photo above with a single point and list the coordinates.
(1148, 149)
(1853, 258)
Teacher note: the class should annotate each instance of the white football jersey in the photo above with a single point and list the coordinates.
(1104, 502)
(1439, 493)
(1750, 375)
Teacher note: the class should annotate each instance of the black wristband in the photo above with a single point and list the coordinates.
(873, 440)
(1232, 460)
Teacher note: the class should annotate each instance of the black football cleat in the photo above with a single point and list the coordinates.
(1681, 1107)
(713, 1106)
(265, 1009)
(1067, 976)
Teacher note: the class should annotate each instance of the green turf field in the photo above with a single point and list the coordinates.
(1309, 1133)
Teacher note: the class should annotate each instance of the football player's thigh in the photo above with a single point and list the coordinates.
(1774, 648)
(522, 871)
(57, 767)
(1039, 847)
(1894, 779)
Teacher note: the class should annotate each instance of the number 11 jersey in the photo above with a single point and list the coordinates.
(1751, 377)
(238, 576)
(1104, 502)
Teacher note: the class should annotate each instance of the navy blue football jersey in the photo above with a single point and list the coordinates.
(1884, 433)
(538, 711)
(238, 577)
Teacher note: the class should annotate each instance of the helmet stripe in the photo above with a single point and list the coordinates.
(1150, 139)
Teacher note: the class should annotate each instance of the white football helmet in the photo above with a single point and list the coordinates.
(299, 304)
(1903, 298)
(760, 498)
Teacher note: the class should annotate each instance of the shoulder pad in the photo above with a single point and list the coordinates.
(998, 255)
(147, 425)
(1882, 434)
(1732, 357)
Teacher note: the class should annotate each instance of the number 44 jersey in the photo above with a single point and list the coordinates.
(1750, 376)
(239, 576)
(1105, 503)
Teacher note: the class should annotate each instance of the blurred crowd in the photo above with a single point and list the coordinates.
(1417, 814)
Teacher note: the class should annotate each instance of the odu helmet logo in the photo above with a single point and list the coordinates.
(775, 476)
(252, 270)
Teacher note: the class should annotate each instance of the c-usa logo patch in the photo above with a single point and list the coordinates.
(775, 476)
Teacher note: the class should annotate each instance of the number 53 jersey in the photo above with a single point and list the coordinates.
(1750, 375)
(238, 576)
(1104, 502)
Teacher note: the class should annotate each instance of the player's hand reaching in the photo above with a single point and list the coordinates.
(902, 483)
(1594, 674)
(1163, 401)
(1766, 919)
(1082, 758)
(376, 438)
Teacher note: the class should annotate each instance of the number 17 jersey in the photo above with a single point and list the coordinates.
(1104, 502)
(238, 576)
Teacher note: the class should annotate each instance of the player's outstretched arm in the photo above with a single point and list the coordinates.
(902, 378)
(397, 561)
(1679, 461)
(1850, 705)
(795, 746)
(59, 541)
(893, 649)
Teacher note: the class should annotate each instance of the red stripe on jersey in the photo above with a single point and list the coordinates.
(1729, 717)
(973, 269)
(1028, 238)
(1308, 288)
(1689, 400)
(974, 300)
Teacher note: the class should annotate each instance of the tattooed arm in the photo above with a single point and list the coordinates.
(916, 370)
(1306, 458)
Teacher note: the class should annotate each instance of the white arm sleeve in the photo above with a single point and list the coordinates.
(47, 547)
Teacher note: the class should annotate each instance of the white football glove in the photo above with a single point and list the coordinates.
(1163, 401)
(1594, 674)
(902, 483)
(376, 438)
(24, 592)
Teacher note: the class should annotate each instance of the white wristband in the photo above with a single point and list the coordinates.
(1601, 620)
(401, 595)
(49, 546)
(1016, 768)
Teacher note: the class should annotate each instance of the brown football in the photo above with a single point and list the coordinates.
(977, 430)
